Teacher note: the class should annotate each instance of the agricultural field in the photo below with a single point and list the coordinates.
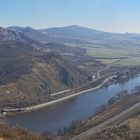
(131, 61)
(112, 53)
(122, 56)
(129, 57)
(108, 61)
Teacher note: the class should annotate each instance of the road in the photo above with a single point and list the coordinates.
(58, 100)
(106, 67)
(58, 93)
(99, 71)
(106, 123)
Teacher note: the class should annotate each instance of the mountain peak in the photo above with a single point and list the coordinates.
(73, 26)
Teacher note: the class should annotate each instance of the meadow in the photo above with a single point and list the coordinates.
(127, 57)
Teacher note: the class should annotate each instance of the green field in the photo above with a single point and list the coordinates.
(107, 55)
(111, 53)
(123, 55)
(131, 61)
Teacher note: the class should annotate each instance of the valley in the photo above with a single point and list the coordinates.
(77, 108)
(69, 70)
(54, 71)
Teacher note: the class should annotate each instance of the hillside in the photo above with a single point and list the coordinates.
(12, 35)
(129, 130)
(95, 37)
(75, 32)
(7, 133)
(41, 37)
(28, 76)
(80, 35)
(31, 33)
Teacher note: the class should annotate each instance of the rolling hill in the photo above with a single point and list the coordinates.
(96, 37)
(41, 37)
(77, 34)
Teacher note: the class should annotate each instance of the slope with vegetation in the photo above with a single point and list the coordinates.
(28, 76)
(7, 133)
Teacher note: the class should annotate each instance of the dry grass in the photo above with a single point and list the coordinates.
(129, 130)
(7, 133)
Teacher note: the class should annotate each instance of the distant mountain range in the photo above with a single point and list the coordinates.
(78, 34)
(83, 33)
(75, 32)
(42, 37)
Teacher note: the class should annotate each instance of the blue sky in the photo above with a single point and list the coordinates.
(107, 15)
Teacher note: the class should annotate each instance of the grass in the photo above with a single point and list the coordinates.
(110, 55)
(107, 56)
(106, 53)
(131, 61)
(108, 61)
(7, 133)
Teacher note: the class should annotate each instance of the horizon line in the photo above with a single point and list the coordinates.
(62, 26)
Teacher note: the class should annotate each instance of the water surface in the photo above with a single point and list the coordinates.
(58, 115)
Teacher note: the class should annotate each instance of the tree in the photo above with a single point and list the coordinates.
(47, 135)
(112, 100)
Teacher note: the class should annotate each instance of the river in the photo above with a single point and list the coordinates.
(58, 115)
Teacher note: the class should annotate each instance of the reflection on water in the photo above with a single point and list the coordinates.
(62, 114)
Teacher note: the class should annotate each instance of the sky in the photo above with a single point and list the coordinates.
(106, 15)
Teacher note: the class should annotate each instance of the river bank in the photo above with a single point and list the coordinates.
(95, 85)
(107, 112)
(119, 77)
(32, 108)
(61, 114)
